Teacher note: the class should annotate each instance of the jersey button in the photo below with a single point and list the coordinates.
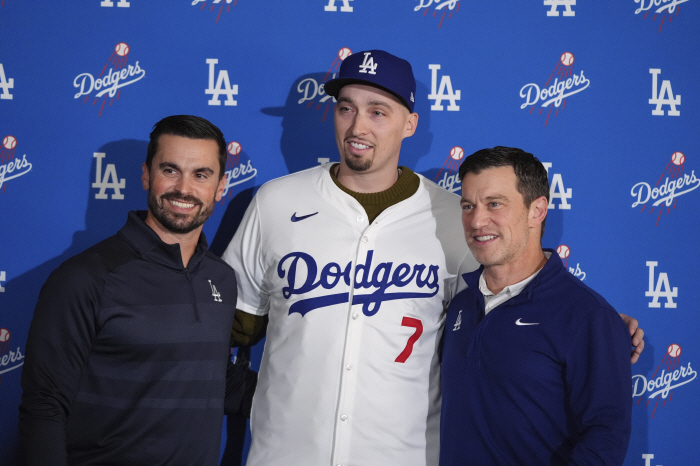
(360, 219)
(344, 417)
(354, 316)
(348, 367)
(365, 239)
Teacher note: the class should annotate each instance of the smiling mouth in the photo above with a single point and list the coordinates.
(181, 204)
(358, 145)
(485, 238)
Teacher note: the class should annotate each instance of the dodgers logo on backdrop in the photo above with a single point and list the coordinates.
(669, 376)
(9, 359)
(554, 93)
(557, 190)
(383, 280)
(647, 457)
(564, 252)
(663, 288)
(450, 171)
(11, 167)
(664, 8)
(344, 6)
(5, 85)
(439, 8)
(663, 96)
(672, 184)
(312, 92)
(117, 3)
(222, 86)
(115, 75)
(444, 92)
(107, 179)
(220, 3)
(555, 4)
(236, 172)
(3, 279)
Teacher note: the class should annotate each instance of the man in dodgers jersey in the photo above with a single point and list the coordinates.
(354, 264)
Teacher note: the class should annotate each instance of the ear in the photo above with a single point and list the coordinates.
(220, 188)
(411, 125)
(145, 177)
(538, 211)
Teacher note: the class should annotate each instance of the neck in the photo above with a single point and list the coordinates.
(187, 241)
(500, 276)
(367, 182)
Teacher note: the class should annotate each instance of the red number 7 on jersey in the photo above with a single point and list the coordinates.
(418, 325)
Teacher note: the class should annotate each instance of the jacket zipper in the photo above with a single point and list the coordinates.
(194, 299)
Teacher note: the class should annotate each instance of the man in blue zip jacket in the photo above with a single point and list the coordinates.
(126, 359)
(535, 366)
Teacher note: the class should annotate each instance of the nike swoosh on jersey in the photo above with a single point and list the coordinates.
(297, 219)
(517, 322)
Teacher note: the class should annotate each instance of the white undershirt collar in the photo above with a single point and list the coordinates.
(492, 300)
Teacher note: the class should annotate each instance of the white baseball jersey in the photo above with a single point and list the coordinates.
(350, 374)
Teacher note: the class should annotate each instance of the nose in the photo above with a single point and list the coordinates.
(478, 217)
(184, 185)
(360, 125)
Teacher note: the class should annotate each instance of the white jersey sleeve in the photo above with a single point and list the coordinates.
(245, 256)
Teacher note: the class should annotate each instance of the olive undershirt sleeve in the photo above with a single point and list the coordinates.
(248, 329)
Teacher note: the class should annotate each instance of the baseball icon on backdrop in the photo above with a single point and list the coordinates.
(115, 75)
(11, 167)
(450, 179)
(9, 360)
(672, 184)
(313, 91)
(564, 252)
(234, 150)
(668, 376)
(236, 172)
(553, 94)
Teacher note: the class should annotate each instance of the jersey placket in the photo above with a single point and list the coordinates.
(344, 416)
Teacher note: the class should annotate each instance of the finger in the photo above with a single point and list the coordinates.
(635, 357)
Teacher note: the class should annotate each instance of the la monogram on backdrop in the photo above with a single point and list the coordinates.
(620, 210)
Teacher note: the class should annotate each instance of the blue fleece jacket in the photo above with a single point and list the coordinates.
(543, 379)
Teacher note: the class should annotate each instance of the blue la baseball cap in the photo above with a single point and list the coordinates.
(379, 69)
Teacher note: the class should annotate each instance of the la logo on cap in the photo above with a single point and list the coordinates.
(368, 65)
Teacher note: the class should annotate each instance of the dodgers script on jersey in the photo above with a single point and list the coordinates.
(349, 373)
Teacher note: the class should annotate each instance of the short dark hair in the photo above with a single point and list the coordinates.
(187, 126)
(533, 181)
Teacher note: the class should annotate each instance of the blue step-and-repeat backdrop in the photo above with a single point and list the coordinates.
(606, 94)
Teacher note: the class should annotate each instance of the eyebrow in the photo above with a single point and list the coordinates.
(487, 199)
(373, 102)
(177, 167)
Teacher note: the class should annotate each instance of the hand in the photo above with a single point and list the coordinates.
(637, 336)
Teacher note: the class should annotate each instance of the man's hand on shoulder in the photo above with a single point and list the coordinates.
(637, 336)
